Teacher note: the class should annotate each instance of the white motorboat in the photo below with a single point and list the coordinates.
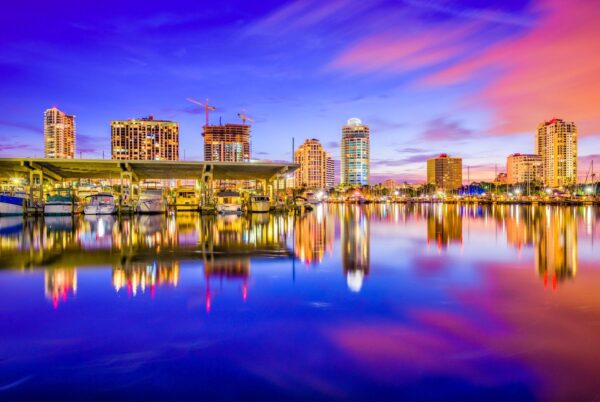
(13, 203)
(152, 201)
(100, 204)
(61, 203)
(229, 202)
(259, 203)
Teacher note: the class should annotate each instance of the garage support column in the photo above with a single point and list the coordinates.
(126, 187)
(36, 185)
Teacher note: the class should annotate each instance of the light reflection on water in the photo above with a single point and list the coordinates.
(380, 301)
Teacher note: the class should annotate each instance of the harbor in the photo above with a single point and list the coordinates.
(105, 187)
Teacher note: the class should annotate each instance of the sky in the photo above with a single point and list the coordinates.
(469, 78)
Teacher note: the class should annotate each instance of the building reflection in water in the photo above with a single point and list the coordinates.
(556, 251)
(139, 276)
(444, 225)
(551, 232)
(60, 284)
(355, 237)
(313, 235)
(145, 251)
(229, 242)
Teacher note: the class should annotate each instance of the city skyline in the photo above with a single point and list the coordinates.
(410, 88)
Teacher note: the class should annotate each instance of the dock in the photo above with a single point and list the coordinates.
(127, 173)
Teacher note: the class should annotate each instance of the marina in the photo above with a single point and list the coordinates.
(125, 187)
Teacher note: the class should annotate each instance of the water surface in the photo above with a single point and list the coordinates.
(347, 302)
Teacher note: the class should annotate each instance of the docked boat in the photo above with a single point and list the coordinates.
(152, 201)
(186, 199)
(229, 202)
(61, 203)
(100, 204)
(259, 203)
(13, 203)
(302, 202)
(312, 198)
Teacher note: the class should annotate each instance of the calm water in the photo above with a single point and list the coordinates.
(347, 302)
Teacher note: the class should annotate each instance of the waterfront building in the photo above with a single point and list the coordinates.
(227, 143)
(390, 184)
(556, 144)
(355, 153)
(145, 139)
(315, 166)
(445, 172)
(501, 178)
(59, 134)
(330, 182)
(523, 168)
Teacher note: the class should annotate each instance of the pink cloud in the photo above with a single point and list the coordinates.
(551, 70)
(396, 53)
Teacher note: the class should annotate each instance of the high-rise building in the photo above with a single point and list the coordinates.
(523, 168)
(330, 182)
(556, 144)
(227, 143)
(315, 165)
(355, 153)
(145, 139)
(445, 172)
(59, 134)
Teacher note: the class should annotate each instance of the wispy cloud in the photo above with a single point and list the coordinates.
(484, 14)
(534, 79)
(442, 128)
(303, 13)
(398, 51)
(21, 126)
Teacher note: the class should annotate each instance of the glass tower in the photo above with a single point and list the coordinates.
(355, 153)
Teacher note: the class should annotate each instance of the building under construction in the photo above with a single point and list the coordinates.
(227, 143)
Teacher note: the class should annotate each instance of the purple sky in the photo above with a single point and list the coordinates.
(468, 78)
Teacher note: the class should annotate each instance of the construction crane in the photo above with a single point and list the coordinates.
(244, 118)
(207, 108)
